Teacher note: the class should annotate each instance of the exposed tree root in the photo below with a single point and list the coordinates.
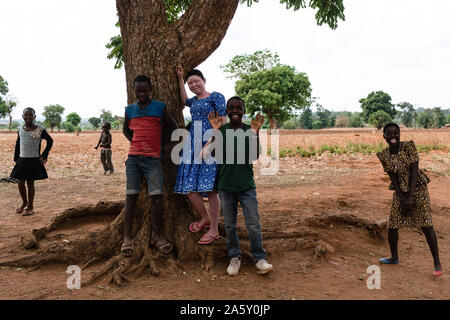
(104, 245)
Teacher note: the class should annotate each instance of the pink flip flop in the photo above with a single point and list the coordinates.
(194, 227)
(437, 273)
(207, 239)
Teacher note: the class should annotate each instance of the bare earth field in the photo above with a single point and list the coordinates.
(304, 188)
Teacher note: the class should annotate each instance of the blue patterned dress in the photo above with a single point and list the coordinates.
(194, 175)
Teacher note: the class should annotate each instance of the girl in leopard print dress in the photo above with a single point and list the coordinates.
(411, 200)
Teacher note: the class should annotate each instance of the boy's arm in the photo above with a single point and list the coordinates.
(169, 125)
(17, 148)
(99, 140)
(127, 132)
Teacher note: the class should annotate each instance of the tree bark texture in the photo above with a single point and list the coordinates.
(153, 47)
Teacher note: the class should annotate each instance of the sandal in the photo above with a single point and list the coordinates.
(437, 273)
(208, 239)
(20, 210)
(194, 227)
(127, 248)
(163, 246)
(28, 212)
(388, 261)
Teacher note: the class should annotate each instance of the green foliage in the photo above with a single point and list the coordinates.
(306, 119)
(277, 92)
(106, 116)
(52, 114)
(68, 126)
(291, 123)
(95, 122)
(73, 118)
(355, 121)
(438, 117)
(408, 115)
(317, 124)
(377, 101)
(379, 118)
(3, 86)
(326, 117)
(342, 121)
(327, 12)
(249, 63)
(425, 119)
(448, 119)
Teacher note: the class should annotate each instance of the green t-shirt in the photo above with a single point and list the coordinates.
(237, 176)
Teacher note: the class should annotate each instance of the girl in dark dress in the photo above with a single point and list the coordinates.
(29, 161)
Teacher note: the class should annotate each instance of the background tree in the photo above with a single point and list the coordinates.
(277, 92)
(158, 35)
(377, 101)
(306, 119)
(448, 119)
(106, 116)
(6, 109)
(52, 114)
(95, 122)
(425, 119)
(355, 120)
(342, 120)
(249, 63)
(408, 114)
(73, 118)
(3, 87)
(379, 119)
(438, 117)
(326, 117)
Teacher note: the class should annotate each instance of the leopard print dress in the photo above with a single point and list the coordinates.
(399, 164)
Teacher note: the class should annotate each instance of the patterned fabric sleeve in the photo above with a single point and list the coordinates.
(381, 156)
(411, 152)
(190, 101)
(219, 100)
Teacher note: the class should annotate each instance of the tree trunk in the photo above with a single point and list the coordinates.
(154, 48)
(10, 123)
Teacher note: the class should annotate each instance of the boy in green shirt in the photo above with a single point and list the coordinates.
(236, 182)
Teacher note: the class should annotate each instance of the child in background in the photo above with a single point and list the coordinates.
(411, 203)
(236, 184)
(105, 148)
(29, 160)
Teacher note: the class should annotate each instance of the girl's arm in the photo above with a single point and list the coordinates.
(394, 180)
(17, 148)
(45, 136)
(183, 94)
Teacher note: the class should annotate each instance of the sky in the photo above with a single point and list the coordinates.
(53, 52)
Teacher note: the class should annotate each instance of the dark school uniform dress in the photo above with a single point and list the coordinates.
(399, 164)
(27, 153)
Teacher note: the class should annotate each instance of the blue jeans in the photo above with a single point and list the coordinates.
(249, 204)
(150, 167)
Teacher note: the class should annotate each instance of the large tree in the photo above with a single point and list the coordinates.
(376, 101)
(156, 36)
(408, 114)
(6, 108)
(277, 92)
(52, 114)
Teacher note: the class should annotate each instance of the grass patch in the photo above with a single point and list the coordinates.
(349, 148)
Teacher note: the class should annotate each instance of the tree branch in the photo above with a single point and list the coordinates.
(202, 28)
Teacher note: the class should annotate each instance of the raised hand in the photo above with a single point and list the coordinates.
(180, 71)
(215, 120)
(257, 122)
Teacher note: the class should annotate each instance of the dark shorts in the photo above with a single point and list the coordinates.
(151, 168)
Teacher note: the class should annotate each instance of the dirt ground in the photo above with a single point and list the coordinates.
(304, 188)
